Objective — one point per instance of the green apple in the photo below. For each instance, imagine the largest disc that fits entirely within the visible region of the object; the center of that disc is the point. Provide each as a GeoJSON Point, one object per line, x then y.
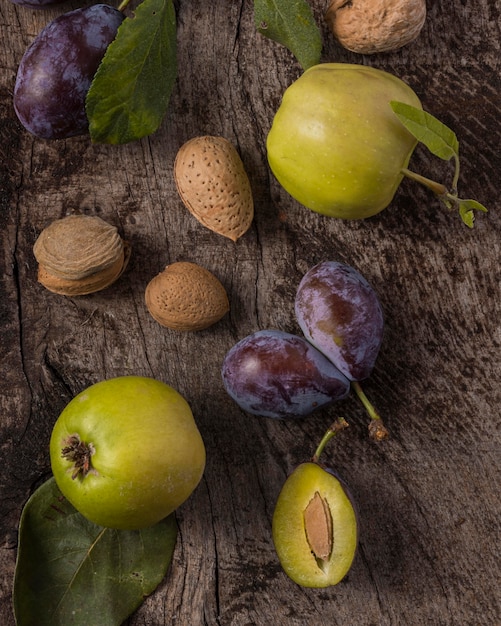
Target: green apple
{"type": "Point", "coordinates": [126, 452]}
{"type": "Point", "coordinates": [336, 145]}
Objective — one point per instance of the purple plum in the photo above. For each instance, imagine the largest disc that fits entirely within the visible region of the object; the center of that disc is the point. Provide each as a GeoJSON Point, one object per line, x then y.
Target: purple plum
{"type": "Point", "coordinates": [280, 375]}
{"type": "Point", "coordinates": [57, 69]}
{"type": "Point", "coordinates": [340, 314]}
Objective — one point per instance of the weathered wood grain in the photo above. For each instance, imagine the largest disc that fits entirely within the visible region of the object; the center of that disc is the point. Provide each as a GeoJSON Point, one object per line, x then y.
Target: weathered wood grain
{"type": "Point", "coordinates": [428, 498]}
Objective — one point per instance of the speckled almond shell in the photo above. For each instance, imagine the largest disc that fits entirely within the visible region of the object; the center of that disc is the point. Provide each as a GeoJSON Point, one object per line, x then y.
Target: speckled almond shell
{"type": "Point", "coordinates": [187, 297]}
{"type": "Point", "coordinates": [212, 182]}
{"type": "Point", "coordinates": [371, 26]}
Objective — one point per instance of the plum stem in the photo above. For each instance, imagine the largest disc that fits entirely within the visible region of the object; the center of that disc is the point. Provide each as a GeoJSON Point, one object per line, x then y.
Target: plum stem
{"type": "Point", "coordinates": [123, 5]}
{"type": "Point", "coordinates": [335, 428]}
{"type": "Point", "coordinates": [377, 429]}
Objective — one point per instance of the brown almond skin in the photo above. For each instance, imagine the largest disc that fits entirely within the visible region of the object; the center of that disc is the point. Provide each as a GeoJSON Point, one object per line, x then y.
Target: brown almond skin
{"type": "Point", "coordinates": [213, 185]}
{"type": "Point", "coordinates": [80, 254]}
{"type": "Point", "coordinates": [84, 286]}
{"type": "Point", "coordinates": [77, 246]}
{"type": "Point", "coordinates": [372, 26]}
{"type": "Point", "coordinates": [186, 297]}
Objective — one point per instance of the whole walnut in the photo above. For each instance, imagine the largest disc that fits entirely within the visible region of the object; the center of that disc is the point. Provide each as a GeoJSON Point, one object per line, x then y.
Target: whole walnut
{"type": "Point", "coordinates": [370, 26]}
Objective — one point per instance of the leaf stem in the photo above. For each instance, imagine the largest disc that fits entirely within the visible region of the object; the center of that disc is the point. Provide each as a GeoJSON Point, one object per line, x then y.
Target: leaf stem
{"type": "Point", "coordinates": [332, 431]}
{"type": "Point", "coordinates": [448, 198]}
{"type": "Point", "coordinates": [456, 175]}
{"type": "Point", "coordinates": [377, 429]}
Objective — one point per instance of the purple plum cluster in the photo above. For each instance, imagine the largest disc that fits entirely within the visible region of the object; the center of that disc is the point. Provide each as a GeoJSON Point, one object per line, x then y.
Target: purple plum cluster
{"type": "Point", "coordinates": [276, 374]}
{"type": "Point", "coordinates": [57, 70]}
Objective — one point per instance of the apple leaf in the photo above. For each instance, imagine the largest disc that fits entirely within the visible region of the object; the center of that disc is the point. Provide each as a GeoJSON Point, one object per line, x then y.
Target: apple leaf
{"type": "Point", "coordinates": [131, 89]}
{"type": "Point", "coordinates": [290, 23]}
{"type": "Point", "coordinates": [70, 571]}
{"type": "Point", "coordinates": [466, 208]}
{"type": "Point", "coordinates": [434, 134]}
{"type": "Point", "coordinates": [443, 143]}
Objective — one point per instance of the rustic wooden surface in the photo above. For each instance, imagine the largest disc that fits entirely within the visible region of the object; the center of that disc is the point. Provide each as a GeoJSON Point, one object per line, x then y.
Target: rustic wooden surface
{"type": "Point", "coordinates": [428, 497]}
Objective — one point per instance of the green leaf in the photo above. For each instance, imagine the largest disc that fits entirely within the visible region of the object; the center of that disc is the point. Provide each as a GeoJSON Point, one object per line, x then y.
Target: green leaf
{"type": "Point", "coordinates": [72, 572]}
{"type": "Point", "coordinates": [130, 93]}
{"type": "Point", "coordinates": [436, 136]}
{"type": "Point", "coordinates": [466, 208]}
{"type": "Point", "coordinates": [290, 23]}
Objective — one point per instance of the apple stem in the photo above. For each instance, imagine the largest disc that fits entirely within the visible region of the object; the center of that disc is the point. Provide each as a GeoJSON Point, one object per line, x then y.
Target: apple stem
{"type": "Point", "coordinates": [79, 453]}
{"type": "Point", "coordinates": [377, 429]}
{"type": "Point", "coordinates": [449, 198]}
{"type": "Point", "coordinates": [332, 431]}
{"type": "Point", "coordinates": [437, 188]}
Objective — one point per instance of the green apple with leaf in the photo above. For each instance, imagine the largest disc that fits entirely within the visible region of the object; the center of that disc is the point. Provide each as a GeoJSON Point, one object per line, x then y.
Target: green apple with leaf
{"type": "Point", "coordinates": [343, 136]}
{"type": "Point", "coordinates": [126, 452]}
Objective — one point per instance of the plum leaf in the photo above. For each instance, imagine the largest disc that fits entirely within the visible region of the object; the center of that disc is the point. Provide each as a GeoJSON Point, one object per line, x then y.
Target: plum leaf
{"type": "Point", "coordinates": [131, 89]}
{"type": "Point", "coordinates": [292, 24]}
{"type": "Point", "coordinates": [70, 571]}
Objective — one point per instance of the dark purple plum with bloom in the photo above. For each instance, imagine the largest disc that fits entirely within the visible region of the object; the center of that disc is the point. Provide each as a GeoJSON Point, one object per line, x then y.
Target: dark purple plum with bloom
{"type": "Point", "coordinates": [340, 314]}
{"type": "Point", "coordinates": [56, 71]}
{"type": "Point", "coordinates": [280, 375]}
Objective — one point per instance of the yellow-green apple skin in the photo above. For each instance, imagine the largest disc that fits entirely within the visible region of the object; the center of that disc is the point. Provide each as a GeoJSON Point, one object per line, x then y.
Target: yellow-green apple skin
{"type": "Point", "coordinates": [148, 452]}
{"type": "Point", "coordinates": [336, 145]}
{"type": "Point", "coordinates": [289, 533]}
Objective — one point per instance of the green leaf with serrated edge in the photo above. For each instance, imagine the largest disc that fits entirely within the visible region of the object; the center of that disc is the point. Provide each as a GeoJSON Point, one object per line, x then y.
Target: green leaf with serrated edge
{"type": "Point", "coordinates": [70, 572]}
{"type": "Point", "coordinates": [290, 23]}
{"type": "Point", "coordinates": [130, 93]}
{"type": "Point", "coordinates": [436, 136]}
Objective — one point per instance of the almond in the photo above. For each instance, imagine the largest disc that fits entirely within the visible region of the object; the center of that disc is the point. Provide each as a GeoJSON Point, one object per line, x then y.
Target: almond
{"type": "Point", "coordinates": [214, 186]}
{"type": "Point", "coordinates": [80, 254]}
{"type": "Point", "coordinates": [318, 527]}
{"type": "Point", "coordinates": [186, 296]}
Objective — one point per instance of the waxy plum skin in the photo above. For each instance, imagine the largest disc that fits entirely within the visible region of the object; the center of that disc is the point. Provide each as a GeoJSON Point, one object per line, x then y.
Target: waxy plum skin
{"type": "Point", "coordinates": [57, 69]}
{"type": "Point", "coordinates": [340, 314]}
{"type": "Point", "coordinates": [276, 374]}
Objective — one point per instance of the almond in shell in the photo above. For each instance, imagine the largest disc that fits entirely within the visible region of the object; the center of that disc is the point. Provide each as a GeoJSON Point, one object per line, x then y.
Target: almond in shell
{"type": "Point", "coordinates": [214, 186]}
{"type": "Point", "coordinates": [187, 297]}
{"type": "Point", "coordinates": [79, 255]}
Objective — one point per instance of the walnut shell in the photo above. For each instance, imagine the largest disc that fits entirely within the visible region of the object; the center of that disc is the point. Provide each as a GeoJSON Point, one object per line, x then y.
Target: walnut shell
{"type": "Point", "coordinates": [213, 185]}
{"type": "Point", "coordinates": [370, 26]}
{"type": "Point", "coordinates": [80, 254]}
{"type": "Point", "coordinates": [186, 296]}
